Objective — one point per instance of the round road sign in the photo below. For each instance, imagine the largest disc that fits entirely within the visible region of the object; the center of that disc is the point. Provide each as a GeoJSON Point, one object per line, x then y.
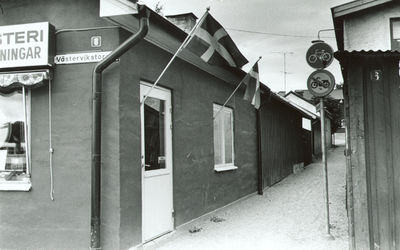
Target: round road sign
{"type": "Point", "coordinates": [319, 55]}
{"type": "Point", "coordinates": [321, 83]}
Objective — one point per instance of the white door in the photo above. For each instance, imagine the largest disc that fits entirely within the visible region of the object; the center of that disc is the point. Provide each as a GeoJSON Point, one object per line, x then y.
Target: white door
{"type": "Point", "coordinates": [157, 205]}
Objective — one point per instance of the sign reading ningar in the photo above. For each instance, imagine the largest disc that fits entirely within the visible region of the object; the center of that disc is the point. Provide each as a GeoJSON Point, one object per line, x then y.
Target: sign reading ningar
{"type": "Point", "coordinates": [26, 45]}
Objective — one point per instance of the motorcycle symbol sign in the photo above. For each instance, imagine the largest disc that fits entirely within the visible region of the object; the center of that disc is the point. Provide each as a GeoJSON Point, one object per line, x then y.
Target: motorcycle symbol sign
{"type": "Point", "coordinates": [319, 55]}
{"type": "Point", "coordinates": [321, 83]}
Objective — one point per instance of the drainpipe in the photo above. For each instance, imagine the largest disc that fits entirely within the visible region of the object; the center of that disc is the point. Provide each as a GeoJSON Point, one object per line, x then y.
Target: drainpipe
{"type": "Point", "coordinates": [260, 177]}
{"type": "Point", "coordinates": [96, 121]}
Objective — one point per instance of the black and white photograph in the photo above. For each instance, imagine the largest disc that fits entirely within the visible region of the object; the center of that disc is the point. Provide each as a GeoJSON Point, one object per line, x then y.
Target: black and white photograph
{"type": "Point", "coordinates": [199, 124]}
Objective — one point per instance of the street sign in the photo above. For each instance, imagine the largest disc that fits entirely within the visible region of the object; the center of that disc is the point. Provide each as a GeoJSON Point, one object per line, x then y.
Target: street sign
{"type": "Point", "coordinates": [319, 55]}
{"type": "Point", "coordinates": [321, 83]}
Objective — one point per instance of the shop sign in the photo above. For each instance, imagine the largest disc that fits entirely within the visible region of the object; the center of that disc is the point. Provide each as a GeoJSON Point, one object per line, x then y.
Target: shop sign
{"type": "Point", "coordinates": [88, 57]}
{"type": "Point", "coordinates": [26, 45]}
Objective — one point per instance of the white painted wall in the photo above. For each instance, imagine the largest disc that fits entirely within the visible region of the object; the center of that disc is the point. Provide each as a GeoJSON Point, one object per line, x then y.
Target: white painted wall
{"type": "Point", "coordinates": [369, 30]}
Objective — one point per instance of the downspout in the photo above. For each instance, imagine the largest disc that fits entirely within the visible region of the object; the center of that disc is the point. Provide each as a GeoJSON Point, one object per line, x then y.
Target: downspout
{"type": "Point", "coordinates": [260, 185]}
{"type": "Point", "coordinates": [96, 121]}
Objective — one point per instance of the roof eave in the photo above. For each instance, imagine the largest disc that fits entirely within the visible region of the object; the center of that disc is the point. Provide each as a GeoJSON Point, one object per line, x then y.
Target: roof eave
{"type": "Point", "coordinates": [355, 6]}
{"type": "Point", "coordinates": [167, 36]}
{"type": "Point", "coordinates": [301, 110]}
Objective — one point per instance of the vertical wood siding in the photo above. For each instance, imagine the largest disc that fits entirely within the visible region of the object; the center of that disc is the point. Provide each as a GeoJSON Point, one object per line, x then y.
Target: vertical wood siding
{"type": "Point", "coordinates": [373, 123]}
{"type": "Point", "coordinates": [281, 140]}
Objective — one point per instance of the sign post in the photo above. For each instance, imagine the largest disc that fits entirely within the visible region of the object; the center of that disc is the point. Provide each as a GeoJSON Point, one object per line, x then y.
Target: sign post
{"type": "Point", "coordinates": [321, 83]}
{"type": "Point", "coordinates": [325, 165]}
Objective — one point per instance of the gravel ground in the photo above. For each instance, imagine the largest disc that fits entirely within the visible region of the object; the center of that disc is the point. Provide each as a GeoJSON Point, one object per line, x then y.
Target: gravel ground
{"type": "Point", "coordinates": [290, 215]}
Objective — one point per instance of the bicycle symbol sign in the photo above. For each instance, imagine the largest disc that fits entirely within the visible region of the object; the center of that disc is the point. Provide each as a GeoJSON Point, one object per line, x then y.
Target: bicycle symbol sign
{"type": "Point", "coordinates": [319, 55]}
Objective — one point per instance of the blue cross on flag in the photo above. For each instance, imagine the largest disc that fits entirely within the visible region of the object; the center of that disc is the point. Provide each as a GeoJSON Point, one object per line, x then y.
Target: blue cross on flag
{"type": "Point", "coordinates": [212, 43]}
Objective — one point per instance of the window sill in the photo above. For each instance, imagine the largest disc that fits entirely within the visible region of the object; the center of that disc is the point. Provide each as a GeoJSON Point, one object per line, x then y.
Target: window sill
{"type": "Point", "coordinates": [226, 168]}
{"type": "Point", "coordinates": [15, 185]}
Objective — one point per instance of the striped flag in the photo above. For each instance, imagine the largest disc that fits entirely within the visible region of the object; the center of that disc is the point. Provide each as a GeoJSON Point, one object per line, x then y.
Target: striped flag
{"type": "Point", "coordinates": [252, 81]}
{"type": "Point", "coordinates": [212, 43]}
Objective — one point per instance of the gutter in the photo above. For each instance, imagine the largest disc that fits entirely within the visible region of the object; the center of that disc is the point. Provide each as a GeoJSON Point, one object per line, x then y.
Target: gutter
{"type": "Point", "coordinates": [96, 121]}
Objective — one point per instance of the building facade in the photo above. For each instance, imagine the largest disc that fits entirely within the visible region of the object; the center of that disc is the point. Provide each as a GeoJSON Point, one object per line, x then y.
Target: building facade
{"type": "Point", "coordinates": [367, 37]}
{"type": "Point", "coordinates": [118, 164]}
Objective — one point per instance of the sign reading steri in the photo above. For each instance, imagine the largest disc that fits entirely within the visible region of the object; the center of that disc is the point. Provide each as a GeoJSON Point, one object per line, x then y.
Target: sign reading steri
{"type": "Point", "coordinates": [26, 45]}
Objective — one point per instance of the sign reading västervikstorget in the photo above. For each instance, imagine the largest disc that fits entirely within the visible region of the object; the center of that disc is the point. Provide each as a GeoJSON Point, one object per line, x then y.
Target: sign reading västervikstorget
{"type": "Point", "coordinates": [26, 45]}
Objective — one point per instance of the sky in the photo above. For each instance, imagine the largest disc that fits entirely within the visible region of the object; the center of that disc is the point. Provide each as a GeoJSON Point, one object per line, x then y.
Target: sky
{"type": "Point", "coordinates": [271, 29]}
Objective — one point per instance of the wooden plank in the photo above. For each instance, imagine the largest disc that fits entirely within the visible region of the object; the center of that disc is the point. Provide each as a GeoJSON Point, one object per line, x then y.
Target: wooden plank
{"type": "Point", "coordinates": [377, 158]}
{"type": "Point", "coordinates": [394, 96]}
{"type": "Point", "coordinates": [389, 151]}
{"type": "Point", "coordinates": [370, 152]}
{"type": "Point", "coordinates": [349, 174]}
{"type": "Point", "coordinates": [357, 142]}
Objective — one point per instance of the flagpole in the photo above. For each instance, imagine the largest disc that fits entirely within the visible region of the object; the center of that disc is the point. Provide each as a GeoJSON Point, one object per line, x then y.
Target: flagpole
{"type": "Point", "coordinates": [176, 54]}
{"type": "Point", "coordinates": [235, 90]}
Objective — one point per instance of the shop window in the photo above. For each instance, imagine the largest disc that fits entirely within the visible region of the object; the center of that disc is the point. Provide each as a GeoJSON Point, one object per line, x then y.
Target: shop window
{"type": "Point", "coordinates": [223, 139]}
{"type": "Point", "coordinates": [395, 33]}
{"type": "Point", "coordinates": [14, 153]}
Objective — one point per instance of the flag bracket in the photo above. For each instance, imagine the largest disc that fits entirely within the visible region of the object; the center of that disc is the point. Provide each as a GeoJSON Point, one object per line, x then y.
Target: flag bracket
{"type": "Point", "coordinates": [175, 55]}
{"type": "Point", "coordinates": [243, 80]}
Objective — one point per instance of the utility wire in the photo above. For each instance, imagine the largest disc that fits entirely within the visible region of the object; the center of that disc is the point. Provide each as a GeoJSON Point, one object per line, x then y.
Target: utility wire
{"type": "Point", "coordinates": [272, 34]}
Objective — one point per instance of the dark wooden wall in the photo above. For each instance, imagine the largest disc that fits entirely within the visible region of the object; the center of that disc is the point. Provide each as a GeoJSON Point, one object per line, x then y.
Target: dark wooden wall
{"type": "Point", "coordinates": [373, 175]}
{"type": "Point", "coordinates": [281, 140]}
{"type": "Point", "coordinates": [308, 146]}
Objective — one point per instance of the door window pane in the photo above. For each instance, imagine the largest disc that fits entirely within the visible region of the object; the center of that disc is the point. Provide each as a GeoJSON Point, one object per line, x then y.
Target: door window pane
{"type": "Point", "coordinates": [154, 125]}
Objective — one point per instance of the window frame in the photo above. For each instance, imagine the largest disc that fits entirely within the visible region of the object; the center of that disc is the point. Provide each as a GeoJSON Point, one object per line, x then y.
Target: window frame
{"type": "Point", "coordinates": [24, 184]}
{"type": "Point", "coordinates": [394, 43]}
{"type": "Point", "coordinates": [224, 166]}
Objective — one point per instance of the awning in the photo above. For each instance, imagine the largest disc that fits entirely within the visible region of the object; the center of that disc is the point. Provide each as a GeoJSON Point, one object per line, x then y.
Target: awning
{"type": "Point", "coordinates": [11, 81]}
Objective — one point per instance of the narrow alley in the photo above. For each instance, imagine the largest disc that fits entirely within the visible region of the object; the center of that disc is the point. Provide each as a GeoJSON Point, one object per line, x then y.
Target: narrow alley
{"type": "Point", "coordinates": [290, 215]}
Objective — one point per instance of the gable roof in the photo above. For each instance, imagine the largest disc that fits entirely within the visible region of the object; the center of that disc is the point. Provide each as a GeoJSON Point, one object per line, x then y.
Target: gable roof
{"type": "Point", "coordinates": [167, 36]}
{"type": "Point", "coordinates": [301, 102]}
{"type": "Point", "coordinates": [339, 13]}
{"type": "Point", "coordinates": [299, 96]}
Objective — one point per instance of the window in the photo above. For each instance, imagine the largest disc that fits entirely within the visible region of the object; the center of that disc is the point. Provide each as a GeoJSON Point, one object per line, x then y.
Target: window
{"type": "Point", "coordinates": [395, 33]}
{"type": "Point", "coordinates": [14, 120]}
{"type": "Point", "coordinates": [223, 139]}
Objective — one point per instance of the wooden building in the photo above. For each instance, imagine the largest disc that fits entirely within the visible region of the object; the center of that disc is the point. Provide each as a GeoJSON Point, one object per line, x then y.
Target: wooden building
{"type": "Point", "coordinates": [281, 123]}
{"type": "Point", "coordinates": [314, 123]}
{"type": "Point", "coordinates": [83, 164]}
{"type": "Point", "coordinates": [367, 34]}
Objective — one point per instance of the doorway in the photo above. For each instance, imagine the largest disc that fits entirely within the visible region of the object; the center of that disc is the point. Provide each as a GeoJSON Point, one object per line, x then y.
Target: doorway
{"type": "Point", "coordinates": [156, 143]}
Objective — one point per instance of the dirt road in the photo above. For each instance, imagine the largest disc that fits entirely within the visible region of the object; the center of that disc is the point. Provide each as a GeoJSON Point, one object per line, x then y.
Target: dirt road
{"type": "Point", "coordinates": [290, 215]}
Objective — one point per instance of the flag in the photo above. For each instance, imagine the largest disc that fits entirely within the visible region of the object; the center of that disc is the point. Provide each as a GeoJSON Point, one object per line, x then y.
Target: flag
{"type": "Point", "coordinates": [253, 86]}
{"type": "Point", "coordinates": [212, 43]}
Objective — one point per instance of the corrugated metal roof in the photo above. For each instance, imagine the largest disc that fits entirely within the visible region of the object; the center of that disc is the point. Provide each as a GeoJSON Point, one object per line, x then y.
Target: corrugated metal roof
{"type": "Point", "coordinates": [340, 55]}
